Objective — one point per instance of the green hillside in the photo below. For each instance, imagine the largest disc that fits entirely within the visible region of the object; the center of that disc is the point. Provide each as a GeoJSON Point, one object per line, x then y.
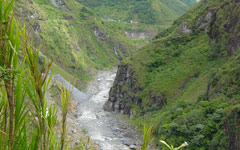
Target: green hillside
{"type": "Point", "coordinates": [80, 42]}
{"type": "Point", "coordinates": [74, 37]}
{"type": "Point", "coordinates": [158, 12]}
{"type": "Point", "coordinates": [186, 82]}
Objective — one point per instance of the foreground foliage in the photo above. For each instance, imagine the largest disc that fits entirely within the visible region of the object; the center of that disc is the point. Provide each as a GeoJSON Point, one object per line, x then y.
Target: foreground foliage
{"type": "Point", "coordinates": [172, 147]}
{"type": "Point", "coordinates": [27, 120]}
{"type": "Point", "coordinates": [147, 138]}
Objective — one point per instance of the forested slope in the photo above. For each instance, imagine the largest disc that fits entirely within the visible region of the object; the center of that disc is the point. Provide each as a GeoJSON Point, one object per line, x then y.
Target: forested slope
{"type": "Point", "coordinates": [80, 41]}
{"type": "Point", "coordinates": [74, 37]}
{"type": "Point", "coordinates": [186, 82]}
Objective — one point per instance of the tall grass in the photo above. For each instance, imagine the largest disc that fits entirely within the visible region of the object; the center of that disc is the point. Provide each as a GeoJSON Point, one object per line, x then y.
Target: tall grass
{"type": "Point", "coordinates": [9, 43]}
{"type": "Point", "coordinates": [147, 138]}
{"type": "Point", "coordinates": [65, 98]}
{"type": "Point", "coordinates": [38, 86]}
{"type": "Point", "coordinates": [26, 121]}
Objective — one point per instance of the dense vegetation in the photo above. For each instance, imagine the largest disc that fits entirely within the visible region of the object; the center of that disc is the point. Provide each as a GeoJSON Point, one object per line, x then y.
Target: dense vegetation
{"type": "Point", "coordinates": [186, 82]}
{"type": "Point", "coordinates": [28, 120]}
{"type": "Point", "coordinates": [25, 124]}
{"type": "Point", "coordinates": [74, 37]}
{"type": "Point", "coordinates": [158, 12]}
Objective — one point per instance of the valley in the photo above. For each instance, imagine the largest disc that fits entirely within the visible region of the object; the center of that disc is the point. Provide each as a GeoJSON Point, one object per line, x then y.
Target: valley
{"type": "Point", "coordinates": [82, 40]}
{"type": "Point", "coordinates": [78, 41]}
{"type": "Point", "coordinates": [119, 74]}
{"type": "Point", "coordinates": [107, 130]}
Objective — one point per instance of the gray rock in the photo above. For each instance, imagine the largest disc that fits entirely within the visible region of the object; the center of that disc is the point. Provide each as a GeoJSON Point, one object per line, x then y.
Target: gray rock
{"type": "Point", "coordinates": [36, 28]}
{"type": "Point", "coordinates": [207, 20]}
{"type": "Point", "coordinates": [133, 147]}
{"type": "Point", "coordinates": [128, 141]}
{"type": "Point", "coordinates": [184, 28]}
{"type": "Point", "coordinates": [77, 142]}
{"type": "Point", "coordinates": [74, 131]}
{"type": "Point", "coordinates": [132, 114]}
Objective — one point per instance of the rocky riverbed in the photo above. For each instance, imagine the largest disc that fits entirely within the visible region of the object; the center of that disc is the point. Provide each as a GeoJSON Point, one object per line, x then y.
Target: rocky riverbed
{"type": "Point", "coordinates": [107, 129]}
{"type": "Point", "coordinates": [104, 128]}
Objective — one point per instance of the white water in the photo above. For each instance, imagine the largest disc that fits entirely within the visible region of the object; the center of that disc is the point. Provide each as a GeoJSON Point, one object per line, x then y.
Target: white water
{"type": "Point", "coordinates": [102, 126]}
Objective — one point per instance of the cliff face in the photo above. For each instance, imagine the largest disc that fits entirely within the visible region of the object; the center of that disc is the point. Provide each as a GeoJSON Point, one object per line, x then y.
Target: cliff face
{"type": "Point", "coordinates": [118, 99]}
{"type": "Point", "coordinates": [117, 96]}
{"type": "Point", "coordinates": [186, 82]}
{"type": "Point", "coordinates": [124, 93]}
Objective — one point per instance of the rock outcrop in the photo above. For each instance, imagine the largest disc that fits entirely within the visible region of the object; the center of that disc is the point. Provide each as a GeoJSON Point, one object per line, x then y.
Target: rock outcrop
{"type": "Point", "coordinates": [124, 93]}
{"type": "Point", "coordinates": [60, 4]}
{"type": "Point", "coordinates": [184, 28]}
{"type": "Point", "coordinates": [119, 100]}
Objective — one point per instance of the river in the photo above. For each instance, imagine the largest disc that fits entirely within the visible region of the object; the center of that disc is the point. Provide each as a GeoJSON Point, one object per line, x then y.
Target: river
{"type": "Point", "coordinates": [104, 128]}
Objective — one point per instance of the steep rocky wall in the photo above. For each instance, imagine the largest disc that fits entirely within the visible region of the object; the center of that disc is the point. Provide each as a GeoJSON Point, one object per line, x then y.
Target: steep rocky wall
{"type": "Point", "coordinates": [118, 99]}
{"type": "Point", "coordinates": [124, 94]}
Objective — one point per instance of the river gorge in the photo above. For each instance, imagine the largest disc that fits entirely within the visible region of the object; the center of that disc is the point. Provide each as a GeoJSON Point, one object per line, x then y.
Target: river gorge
{"type": "Point", "coordinates": [106, 129]}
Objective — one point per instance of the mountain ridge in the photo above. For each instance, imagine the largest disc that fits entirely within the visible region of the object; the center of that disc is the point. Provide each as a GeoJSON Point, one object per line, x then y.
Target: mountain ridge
{"type": "Point", "coordinates": [159, 12]}
{"type": "Point", "coordinates": [77, 40]}
{"type": "Point", "coordinates": [185, 83]}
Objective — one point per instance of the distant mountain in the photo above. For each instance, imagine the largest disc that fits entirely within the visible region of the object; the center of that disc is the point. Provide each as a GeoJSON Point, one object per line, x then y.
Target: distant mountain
{"type": "Point", "coordinates": [158, 12]}
{"type": "Point", "coordinates": [74, 37]}
{"type": "Point", "coordinates": [80, 41]}
{"type": "Point", "coordinates": [186, 83]}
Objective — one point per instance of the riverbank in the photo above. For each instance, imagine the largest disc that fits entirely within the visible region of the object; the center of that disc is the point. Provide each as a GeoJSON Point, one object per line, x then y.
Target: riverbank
{"type": "Point", "coordinates": [75, 134]}
{"type": "Point", "coordinates": [86, 117]}
{"type": "Point", "coordinates": [103, 127]}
